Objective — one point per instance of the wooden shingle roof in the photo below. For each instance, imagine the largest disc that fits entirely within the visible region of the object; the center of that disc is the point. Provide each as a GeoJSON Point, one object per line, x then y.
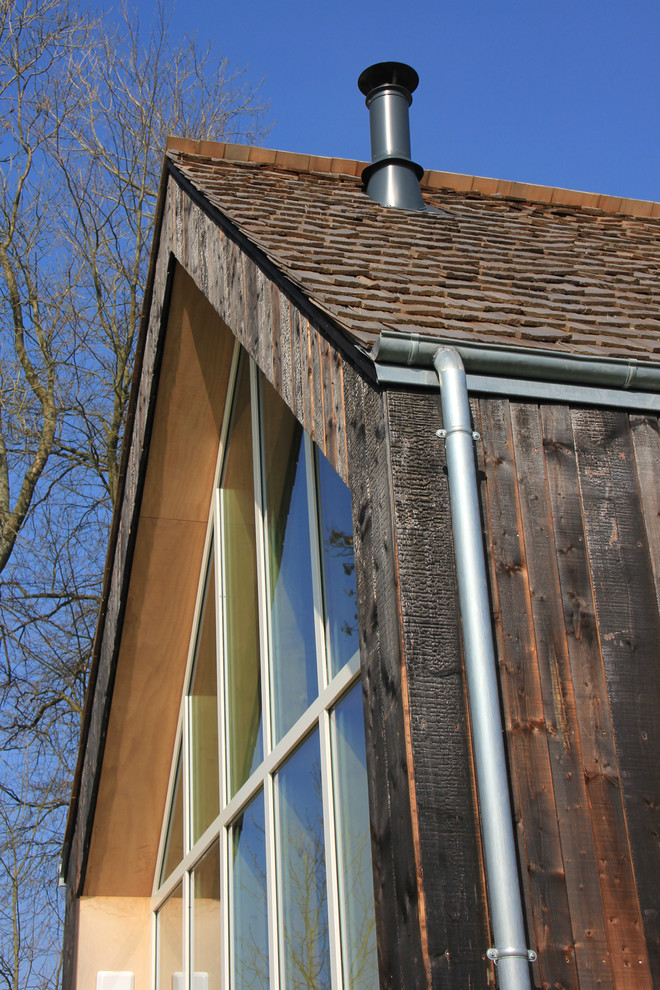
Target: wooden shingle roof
{"type": "Point", "coordinates": [501, 263]}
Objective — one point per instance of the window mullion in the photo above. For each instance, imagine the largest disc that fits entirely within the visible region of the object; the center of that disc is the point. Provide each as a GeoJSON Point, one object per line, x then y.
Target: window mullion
{"type": "Point", "coordinates": [187, 930]}
{"type": "Point", "coordinates": [222, 728]}
{"type": "Point", "coordinates": [186, 781]}
{"type": "Point", "coordinates": [186, 776]}
{"type": "Point", "coordinates": [220, 596]}
{"type": "Point", "coordinates": [262, 569]}
{"type": "Point", "coordinates": [264, 641]}
{"type": "Point", "coordinates": [227, 908]}
{"type": "Point", "coordinates": [330, 849]}
{"type": "Point", "coordinates": [272, 889]}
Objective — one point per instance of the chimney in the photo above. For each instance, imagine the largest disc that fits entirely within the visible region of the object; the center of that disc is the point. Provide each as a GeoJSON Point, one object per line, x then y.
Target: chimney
{"type": "Point", "coordinates": [392, 179]}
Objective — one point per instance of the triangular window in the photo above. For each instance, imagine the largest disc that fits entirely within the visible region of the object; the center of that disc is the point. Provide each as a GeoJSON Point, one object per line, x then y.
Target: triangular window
{"type": "Point", "coordinates": [274, 860]}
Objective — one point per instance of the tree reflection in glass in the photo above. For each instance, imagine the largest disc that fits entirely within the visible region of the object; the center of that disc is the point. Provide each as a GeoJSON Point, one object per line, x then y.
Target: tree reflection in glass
{"type": "Point", "coordinates": [243, 681]}
{"type": "Point", "coordinates": [304, 959]}
{"type": "Point", "coordinates": [356, 891]}
{"type": "Point", "coordinates": [338, 563]}
{"type": "Point", "coordinates": [249, 923]}
{"type": "Point", "coordinates": [294, 678]}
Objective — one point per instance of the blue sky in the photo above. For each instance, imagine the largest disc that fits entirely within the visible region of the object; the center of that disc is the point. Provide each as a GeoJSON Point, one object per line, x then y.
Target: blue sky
{"type": "Point", "coordinates": [564, 94]}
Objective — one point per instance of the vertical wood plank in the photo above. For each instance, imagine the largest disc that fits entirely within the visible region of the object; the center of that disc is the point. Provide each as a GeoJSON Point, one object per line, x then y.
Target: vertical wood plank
{"type": "Point", "coordinates": [216, 273]}
{"type": "Point", "coordinates": [234, 295]}
{"type": "Point", "coordinates": [70, 940]}
{"type": "Point", "coordinates": [629, 628]}
{"type": "Point", "coordinates": [285, 348]}
{"type": "Point", "coordinates": [340, 415]}
{"type": "Point", "coordinates": [601, 772]}
{"type": "Point", "coordinates": [249, 292]}
{"type": "Point", "coordinates": [400, 953]}
{"type": "Point", "coordinates": [305, 358]}
{"type": "Point", "coordinates": [646, 443]}
{"type": "Point", "coordinates": [297, 372]}
{"type": "Point", "coordinates": [276, 335]}
{"type": "Point", "coordinates": [199, 233]}
{"type": "Point", "coordinates": [521, 686]}
{"type": "Point", "coordinates": [453, 880]}
{"type": "Point", "coordinates": [265, 346]}
{"type": "Point", "coordinates": [316, 382]}
{"type": "Point", "coordinates": [559, 707]}
{"type": "Point", "coordinates": [329, 413]}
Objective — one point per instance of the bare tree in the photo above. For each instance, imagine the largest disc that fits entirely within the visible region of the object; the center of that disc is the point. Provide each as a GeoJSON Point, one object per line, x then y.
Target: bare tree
{"type": "Point", "coordinates": [136, 91]}
{"type": "Point", "coordinates": [85, 106]}
{"type": "Point", "coordinates": [37, 45]}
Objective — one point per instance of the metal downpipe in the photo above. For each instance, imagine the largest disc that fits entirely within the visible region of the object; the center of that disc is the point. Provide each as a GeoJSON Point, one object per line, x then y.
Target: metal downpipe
{"type": "Point", "coordinates": [510, 952]}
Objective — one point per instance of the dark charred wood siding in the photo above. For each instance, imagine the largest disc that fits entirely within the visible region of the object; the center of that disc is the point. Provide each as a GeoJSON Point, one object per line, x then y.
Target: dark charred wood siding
{"type": "Point", "coordinates": [571, 513]}
{"type": "Point", "coordinates": [402, 950]}
{"type": "Point", "coordinates": [448, 854]}
{"type": "Point", "coordinates": [570, 507]}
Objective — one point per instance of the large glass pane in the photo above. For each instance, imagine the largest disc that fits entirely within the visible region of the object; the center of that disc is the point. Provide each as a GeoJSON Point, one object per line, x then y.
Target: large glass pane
{"type": "Point", "coordinates": [205, 941]}
{"type": "Point", "coordinates": [249, 935]}
{"type": "Point", "coordinates": [356, 890]}
{"type": "Point", "coordinates": [338, 565]}
{"type": "Point", "coordinates": [294, 678]}
{"type": "Point", "coordinates": [301, 863]}
{"type": "Point", "coordinates": [169, 940]}
{"type": "Point", "coordinates": [243, 685]}
{"type": "Point", "coordinates": [173, 852]}
{"type": "Point", "coordinates": [203, 706]}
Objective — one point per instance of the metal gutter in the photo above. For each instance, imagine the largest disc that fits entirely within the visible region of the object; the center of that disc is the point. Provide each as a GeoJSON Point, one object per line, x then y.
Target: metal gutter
{"type": "Point", "coordinates": [523, 388]}
{"type": "Point", "coordinates": [407, 359]}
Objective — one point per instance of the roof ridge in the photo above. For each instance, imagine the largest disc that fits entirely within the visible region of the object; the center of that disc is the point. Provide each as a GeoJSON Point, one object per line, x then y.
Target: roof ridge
{"type": "Point", "coordinates": [431, 180]}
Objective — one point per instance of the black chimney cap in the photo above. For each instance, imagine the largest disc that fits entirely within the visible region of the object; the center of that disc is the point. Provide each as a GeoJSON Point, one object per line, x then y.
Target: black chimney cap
{"type": "Point", "coordinates": [388, 73]}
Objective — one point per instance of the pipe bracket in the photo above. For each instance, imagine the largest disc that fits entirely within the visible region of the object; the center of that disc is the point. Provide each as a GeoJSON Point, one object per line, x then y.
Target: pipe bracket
{"type": "Point", "coordinates": [443, 434]}
{"type": "Point", "coordinates": [496, 954]}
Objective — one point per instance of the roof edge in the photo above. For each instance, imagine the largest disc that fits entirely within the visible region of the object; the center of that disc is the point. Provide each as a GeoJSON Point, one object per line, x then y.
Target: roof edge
{"type": "Point", "coordinates": [431, 180]}
{"type": "Point", "coordinates": [113, 537]}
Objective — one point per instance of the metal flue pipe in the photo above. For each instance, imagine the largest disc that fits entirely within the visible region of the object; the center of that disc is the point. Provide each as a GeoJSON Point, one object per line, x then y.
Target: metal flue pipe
{"type": "Point", "coordinates": [392, 179]}
{"type": "Point", "coordinates": [509, 953]}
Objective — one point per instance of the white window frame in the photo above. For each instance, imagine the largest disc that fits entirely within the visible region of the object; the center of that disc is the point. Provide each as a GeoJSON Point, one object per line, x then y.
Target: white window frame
{"type": "Point", "coordinates": [317, 715]}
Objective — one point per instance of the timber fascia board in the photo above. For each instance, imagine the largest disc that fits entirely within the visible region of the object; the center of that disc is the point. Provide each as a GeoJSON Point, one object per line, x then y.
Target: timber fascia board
{"type": "Point", "coordinates": [319, 317]}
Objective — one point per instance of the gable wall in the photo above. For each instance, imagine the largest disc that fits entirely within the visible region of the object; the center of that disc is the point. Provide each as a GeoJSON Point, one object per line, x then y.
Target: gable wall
{"type": "Point", "coordinates": [346, 418]}
{"type": "Point", "coordinates": [330, 399]}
